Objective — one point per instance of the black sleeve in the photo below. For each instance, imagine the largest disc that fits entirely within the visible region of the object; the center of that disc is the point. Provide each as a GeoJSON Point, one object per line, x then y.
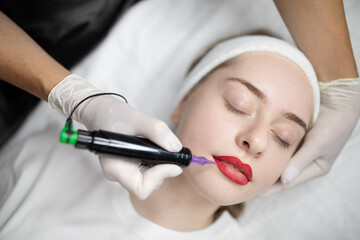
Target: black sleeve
{"type": "Point", "coordinates": [66, 29]}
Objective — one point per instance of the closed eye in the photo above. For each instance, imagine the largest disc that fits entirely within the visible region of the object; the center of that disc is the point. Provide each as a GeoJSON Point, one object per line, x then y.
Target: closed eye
{"type": "Point", "coordinates": [231, 108]}
{"type": "Point", "coordinates": [281, 142]}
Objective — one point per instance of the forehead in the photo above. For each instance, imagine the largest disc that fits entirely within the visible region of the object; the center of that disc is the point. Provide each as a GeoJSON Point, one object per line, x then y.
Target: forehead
{"type": "Point", "coordinates": [269, 68]}
{"type": "Point", "coordinates": [282, 81]}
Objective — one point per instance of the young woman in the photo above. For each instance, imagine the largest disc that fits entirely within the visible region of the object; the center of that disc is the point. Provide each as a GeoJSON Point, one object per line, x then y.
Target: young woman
{"type": "Point", "coordinates": [252, 100]}
{"type": "Point", "coordinates": [246, 105]}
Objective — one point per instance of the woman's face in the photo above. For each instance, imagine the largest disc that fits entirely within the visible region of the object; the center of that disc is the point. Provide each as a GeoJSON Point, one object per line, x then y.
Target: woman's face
{"type": "Point", "coordinates": [254, 111]}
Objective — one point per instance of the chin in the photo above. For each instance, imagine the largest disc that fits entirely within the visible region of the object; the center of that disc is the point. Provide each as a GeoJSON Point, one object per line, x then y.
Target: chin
{"type": "Point", "coordinates": [217, 188]}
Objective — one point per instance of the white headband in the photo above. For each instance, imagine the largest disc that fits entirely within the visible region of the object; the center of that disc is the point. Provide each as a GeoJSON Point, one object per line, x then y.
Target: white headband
{"type": "Point", "coordinates": [237, 46]}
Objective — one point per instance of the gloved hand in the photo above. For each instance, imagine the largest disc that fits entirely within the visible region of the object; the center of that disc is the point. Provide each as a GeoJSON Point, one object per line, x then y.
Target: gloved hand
{"type": "Point", "coordinates": [112, 114]}
{"type": "Point", "coordinates": [339, 113]}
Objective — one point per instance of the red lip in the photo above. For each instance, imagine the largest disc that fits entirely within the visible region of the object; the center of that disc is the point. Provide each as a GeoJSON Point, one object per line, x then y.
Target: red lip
{"type": "Point", "coordinates": [239, 172]}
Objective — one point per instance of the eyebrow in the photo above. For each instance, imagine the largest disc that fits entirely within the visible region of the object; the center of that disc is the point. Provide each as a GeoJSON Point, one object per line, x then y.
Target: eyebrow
{"type": "Point", "coordinates": [260, 95]}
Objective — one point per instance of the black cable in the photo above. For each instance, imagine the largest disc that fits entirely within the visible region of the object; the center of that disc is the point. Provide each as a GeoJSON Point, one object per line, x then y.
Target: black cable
{"type": "Point", "coordinates": [68, 125]}
{"type": "Point", "coordinates": [95, 95]}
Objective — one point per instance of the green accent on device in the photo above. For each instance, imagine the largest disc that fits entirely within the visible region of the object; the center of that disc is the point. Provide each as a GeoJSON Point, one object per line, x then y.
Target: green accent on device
{"type": "Point", "coordinates": [68, 135]}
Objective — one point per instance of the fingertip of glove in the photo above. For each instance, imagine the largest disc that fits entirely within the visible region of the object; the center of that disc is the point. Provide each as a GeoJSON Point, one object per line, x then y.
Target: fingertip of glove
{"type": "Point", "coordinates": [142, 195]}
{"type": "Point", "coordinates": [165, 170]}
{"type": "Point", "coordinates": [174, 170]}
{"type": "Point", "coordinates": [285, 181]}
{"type": "Point", "coordinates": [175, 146]}
{"type": "Point", "coordinates": [289, 175]}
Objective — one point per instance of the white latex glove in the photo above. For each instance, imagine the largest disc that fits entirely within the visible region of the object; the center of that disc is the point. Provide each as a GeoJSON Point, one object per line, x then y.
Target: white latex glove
{"type": "Point", "coordinates": [112, 114]}
{"type": "Point", "coordinates": [339, 113]}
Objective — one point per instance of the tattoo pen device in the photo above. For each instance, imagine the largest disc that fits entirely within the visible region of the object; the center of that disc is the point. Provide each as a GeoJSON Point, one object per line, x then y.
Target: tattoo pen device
{"type": "Point", "coordinates": [115, 144]}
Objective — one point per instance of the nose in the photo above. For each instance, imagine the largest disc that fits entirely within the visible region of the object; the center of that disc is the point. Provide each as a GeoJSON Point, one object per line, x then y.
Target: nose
{"type": "Point", "coordinates": [254, 140]}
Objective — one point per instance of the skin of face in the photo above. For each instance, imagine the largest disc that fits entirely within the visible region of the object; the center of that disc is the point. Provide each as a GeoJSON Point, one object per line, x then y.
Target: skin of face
{"type": "Point", "coordinates": [222, 117]}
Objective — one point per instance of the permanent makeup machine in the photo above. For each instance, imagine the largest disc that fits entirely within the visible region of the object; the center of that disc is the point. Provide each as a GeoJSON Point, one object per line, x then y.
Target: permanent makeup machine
{"type": "Point", "coordinates": [116, 145]}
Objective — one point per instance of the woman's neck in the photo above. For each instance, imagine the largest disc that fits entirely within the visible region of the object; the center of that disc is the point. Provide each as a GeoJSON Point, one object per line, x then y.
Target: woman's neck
{"type": "Point", "coordinates": [176, 205]}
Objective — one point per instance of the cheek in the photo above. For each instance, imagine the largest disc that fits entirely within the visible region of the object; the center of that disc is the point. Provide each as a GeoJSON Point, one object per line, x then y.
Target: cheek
{"type": "Point", "coordinates": [200, 126]}
{"type": "Point", "coordinates": [211, 184]}
{"type": "Point", "coordinates": [269, 169]}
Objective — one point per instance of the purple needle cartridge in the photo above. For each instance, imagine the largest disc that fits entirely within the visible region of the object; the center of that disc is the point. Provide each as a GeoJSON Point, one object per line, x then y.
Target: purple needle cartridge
{"type": "Point", "coordinates": [200, 160]}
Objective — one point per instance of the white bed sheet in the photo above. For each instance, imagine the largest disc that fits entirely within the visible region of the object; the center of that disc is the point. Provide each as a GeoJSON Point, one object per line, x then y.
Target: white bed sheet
{"type": "Point", "coordinates": [146, 56]}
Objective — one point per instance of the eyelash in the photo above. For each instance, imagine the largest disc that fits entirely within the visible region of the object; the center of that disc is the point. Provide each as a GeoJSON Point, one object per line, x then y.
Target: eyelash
{"type": "Point", "coordinates": [234, 110]}
{"type": "Point", "coordinates": [282, 143]}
